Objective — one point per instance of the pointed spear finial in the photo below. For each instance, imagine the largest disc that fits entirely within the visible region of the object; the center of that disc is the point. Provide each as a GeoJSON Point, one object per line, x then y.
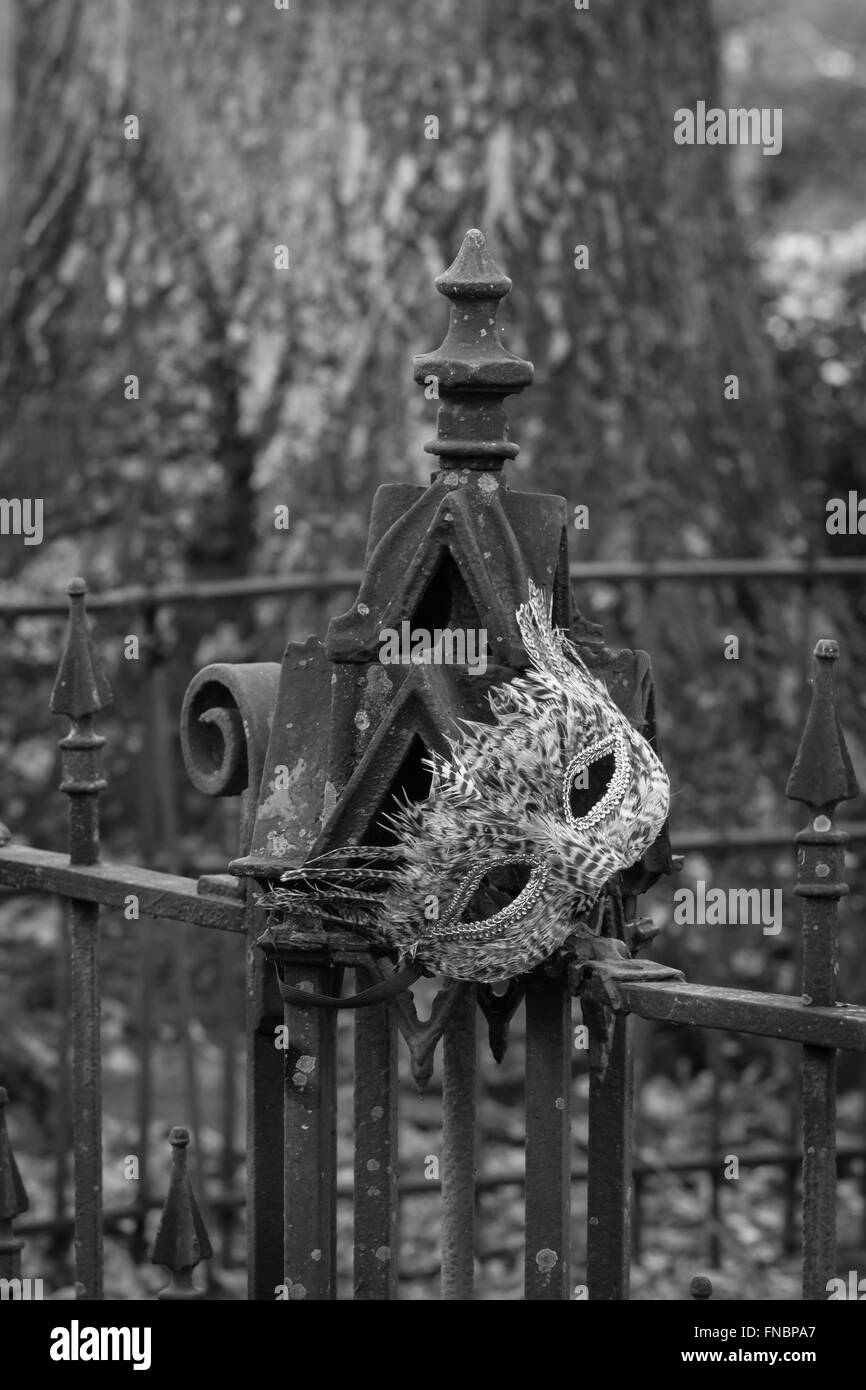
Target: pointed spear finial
{"type": "Point", "coordinates": [13, 1201]}
{"type": "Point", "coordinates": [181, 1239]}
{"type": "Point", "coordinates": [81, 687]}
{"type": "Point", "coordinates": [80, 691]}
{"type": "Point", "coordinates": [822, 774]}
{"type": "Point", "coordinates": [472, 371]}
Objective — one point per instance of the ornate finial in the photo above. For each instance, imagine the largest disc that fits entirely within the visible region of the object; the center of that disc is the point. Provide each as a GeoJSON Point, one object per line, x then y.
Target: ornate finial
{"type": "Point", "coordinates": [181, 1240]}
{"type": "Point", "coordinates": [701, 1288]}
{"type": "Point", "coordinates": [472, 370]}
{"type": "Point", "coordinates": [822, 774]}
{"type": "Point", "coordinates": [13, 1200]}
{"type": "Point", "coordinates": [81, 687]}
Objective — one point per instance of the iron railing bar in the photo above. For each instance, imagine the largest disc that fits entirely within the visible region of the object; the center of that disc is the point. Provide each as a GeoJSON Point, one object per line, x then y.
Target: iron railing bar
{"type": "Point", "coordinates": [610, 1153]}
{"type": "Point", "coordinates": [548, 1139]}
{"type": "Point", "coordinates": [821, 777]}
{"type": "Point", "coordinates": [265, 1182]}
{"type": "Point", "coordinates": [62, 1110]}
{"type": "Point", "coordinates": [206, 591]}
{"type": "Point", "coordinates": [375, 1193]}
{"type": "Point", "coordinates": [803, 571]}
{"type": "Point", "coordinates": [165, 896]}
{"type": "Point", "coordinates": [782, 1016]}
{"type": "Point", "coordinates": [230, 1011]}
{"type": "Point", "coordinates": [310, 1131]}
{"type": "Point", "coordinates": [459, 1141]}
{"type": "Point", "coordinates": [80, 692]}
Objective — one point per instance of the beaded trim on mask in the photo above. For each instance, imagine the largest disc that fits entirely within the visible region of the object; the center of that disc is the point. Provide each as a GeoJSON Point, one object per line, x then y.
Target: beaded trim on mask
{"type": "Point", "coordinates": [493, 926]}
{"type": "Point", "coordinates": [618, 783]}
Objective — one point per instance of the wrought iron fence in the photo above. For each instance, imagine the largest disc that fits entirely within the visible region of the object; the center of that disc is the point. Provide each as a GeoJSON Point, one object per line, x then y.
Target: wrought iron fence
{"type": "Point", "coordinates": [291, 1177]}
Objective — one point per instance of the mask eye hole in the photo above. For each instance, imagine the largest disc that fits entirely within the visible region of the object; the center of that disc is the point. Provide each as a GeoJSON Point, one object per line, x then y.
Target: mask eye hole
{"type": "Point", "coordinates": [589, 785]}
{"type": "Point", "coordinates": [498, 889]}
{"type": "Point", "coordinates": [595, 781]}
{"type": "Point", "coordinates": [493, 896]}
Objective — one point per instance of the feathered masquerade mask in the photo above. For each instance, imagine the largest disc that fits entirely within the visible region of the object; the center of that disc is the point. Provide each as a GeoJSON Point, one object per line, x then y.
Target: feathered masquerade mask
{"type": "Point", "coordinates": [523, 826]}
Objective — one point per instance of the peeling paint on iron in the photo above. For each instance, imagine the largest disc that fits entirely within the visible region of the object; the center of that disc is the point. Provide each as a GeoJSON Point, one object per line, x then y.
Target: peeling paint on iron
{"type": "Point", "coordinates": [279, 845]}
{"type": "Point", "coordinates": [380, 689]}
{"type": "Point", "coordinates": [278, 805]}
{"type": "Point", "coordinates": [329, 801]}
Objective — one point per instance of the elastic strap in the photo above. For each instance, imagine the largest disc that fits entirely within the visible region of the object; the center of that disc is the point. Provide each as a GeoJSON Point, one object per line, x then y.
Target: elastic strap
{"type": "Point", "coordinates": [376, 994]}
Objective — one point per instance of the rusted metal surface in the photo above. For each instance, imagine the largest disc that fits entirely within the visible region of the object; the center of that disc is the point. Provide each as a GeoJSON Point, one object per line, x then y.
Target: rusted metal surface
{"type": "Point", "coordinates": [80, 691]}
{"type": "Point", "coordinates": [459, 1147]}
{"type": "Point", "coordinates": [167, 896]}
{"type": "Point", "coordinates": [376, 1196]}
{"type": "Point", "coordinates": [228, 715]}
{"type": "Point", "coordinates": [86, 1097]}
{"type": "Point", "coordinates": [13, 1200]}
{"type": "Point", "coordinates": [231, 1011]}
{"type": "Point", "coordinates": [224, 729]}
{"type": "Point", "coordinates": [609, 1196]}
{"type": "Point", "coordinates": [310, 1137]}
{"type": "Point", "coordinates": [499, 1009]}
{"type": "Point", "coordinates": [548, 1137]}
{"type": "Point", "coordinates": [144, 1096]}
{"type": "Point", "coordinates": [63, 1144]}
{"type": "Point", "coordinates": [738, 1010]}
{"type": "Point", "coordinates": [821, 777]}
{"type": "Point", "coordinates": [264, 1104]}
{"type": "Point", "coordinates": [181, 1241]}
{"type": "Point", "coordinates": [819, 1171]}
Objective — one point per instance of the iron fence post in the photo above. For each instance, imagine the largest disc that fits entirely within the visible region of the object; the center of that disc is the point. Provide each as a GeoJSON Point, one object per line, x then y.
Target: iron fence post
{"type": "Point", "coordinates": [821, 777]}
{"type": "Point", "coordinates": [80, 691]}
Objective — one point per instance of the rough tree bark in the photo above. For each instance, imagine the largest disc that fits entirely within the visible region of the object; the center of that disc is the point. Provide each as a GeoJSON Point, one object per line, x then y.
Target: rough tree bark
{"type": "Point", "coordinates": [306, 128]}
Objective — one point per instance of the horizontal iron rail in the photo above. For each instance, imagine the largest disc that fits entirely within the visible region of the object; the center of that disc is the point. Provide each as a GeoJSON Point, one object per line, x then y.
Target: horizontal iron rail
{"type": "Point", "coordinates": [233, 1200]}
{"type": "Point", "coordinates": [177, 898]}
{"type": "Point", "coordinates": [139, 596]}
{"type": "Point", "coordinates": [166, 896]}
{"type": "Point", "coordinates": [783, 1016]}
{"type": "Point", "coordinates": [740, 838]}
